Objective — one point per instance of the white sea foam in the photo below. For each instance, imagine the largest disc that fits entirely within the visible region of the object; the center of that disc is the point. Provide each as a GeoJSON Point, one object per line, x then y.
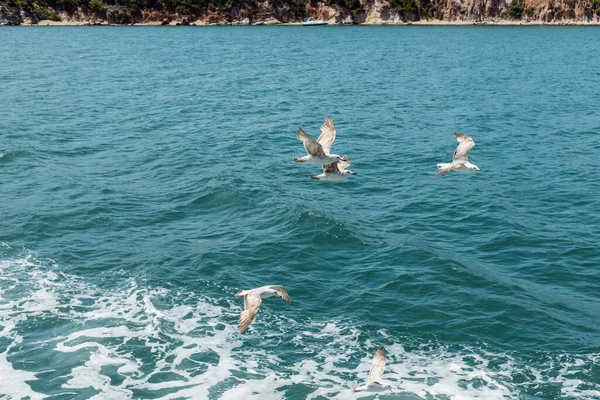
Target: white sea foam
{"type": "Point", "coordinates": [135, 341]}
{"type": "Point", "coordinates": [14, 382]}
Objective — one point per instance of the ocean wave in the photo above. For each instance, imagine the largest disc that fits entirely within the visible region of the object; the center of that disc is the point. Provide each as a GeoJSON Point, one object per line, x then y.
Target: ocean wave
{"type": "Point", "coordinates": [140, 342]}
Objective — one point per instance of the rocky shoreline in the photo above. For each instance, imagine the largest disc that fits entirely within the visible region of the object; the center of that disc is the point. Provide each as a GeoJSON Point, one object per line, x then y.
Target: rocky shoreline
{"type": "Point", "coordinates": [365, 12]}
{"type": "Point", "coordinates": [409, 23]}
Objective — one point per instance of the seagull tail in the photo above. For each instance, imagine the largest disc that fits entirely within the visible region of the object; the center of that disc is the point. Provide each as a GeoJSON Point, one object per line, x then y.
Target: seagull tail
{"type": "Point", "coordinates": [242, 293]}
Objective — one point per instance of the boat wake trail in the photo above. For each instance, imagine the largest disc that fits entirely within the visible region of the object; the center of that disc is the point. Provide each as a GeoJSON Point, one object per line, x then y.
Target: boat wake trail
{"type": "Point", "coordinates": [142, 342]}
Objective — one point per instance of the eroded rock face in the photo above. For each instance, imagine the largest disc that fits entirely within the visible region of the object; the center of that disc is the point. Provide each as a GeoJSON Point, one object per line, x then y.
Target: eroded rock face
{"type": "Point", "coordinates": [370, 12]}
{"type": "Point", "coordinates": [380, 12]}
{"type": "Point", "coordinates": [272, 21]}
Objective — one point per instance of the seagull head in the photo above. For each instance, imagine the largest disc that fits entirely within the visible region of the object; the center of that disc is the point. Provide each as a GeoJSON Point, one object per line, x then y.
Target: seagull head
{"type": "Point", "coordinates": [348, 172]}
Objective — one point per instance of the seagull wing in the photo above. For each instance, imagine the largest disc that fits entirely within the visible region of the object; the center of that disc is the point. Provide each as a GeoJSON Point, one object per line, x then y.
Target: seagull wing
{"type": "Point", "coordinates": [452, 166]}
{"type": "Point", "coordinates": [337, 166]}
{"type": "Point", "coordinates": [281, 293]}
{"type": "Point", "coordinates": [377, 367]}
{"type": "Point", "coordinates": [343, 163]}
{"type": "Point", "coordinates": [327, 135]}
{"type": "Point", "coordinates": [313, 148]}
{"type": "Point", "coordinates": [251, 302]}
{"type": "Point", "coordinates": [465, 143]}
{"type": "Point", "coordinates": [329, 168]}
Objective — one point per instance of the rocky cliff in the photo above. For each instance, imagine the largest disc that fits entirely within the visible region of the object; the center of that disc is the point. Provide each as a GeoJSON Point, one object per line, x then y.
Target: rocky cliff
{"type": "Point", "coordinates": [255, 12]}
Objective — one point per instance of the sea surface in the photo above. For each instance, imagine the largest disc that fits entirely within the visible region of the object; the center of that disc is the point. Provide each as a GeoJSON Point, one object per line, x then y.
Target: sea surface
{"type": "Point", "coordinates": [146, 176]}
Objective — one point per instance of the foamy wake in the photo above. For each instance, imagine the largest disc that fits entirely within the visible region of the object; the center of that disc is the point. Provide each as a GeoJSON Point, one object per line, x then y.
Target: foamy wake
{"type": "Point", "coordinates": [140, 342]}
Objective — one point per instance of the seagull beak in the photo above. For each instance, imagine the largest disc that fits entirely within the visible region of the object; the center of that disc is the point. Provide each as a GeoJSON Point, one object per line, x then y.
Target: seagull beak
{"type": "Point", "coordinates": [353, 173]}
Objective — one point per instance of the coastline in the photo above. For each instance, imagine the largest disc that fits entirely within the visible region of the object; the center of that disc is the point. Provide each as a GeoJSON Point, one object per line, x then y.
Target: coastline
{"type": "Point", "coordinates": [499, 22]}
{"type": "Point", "coordinates": [363, 12]}
{"type": "Point", "coordinates": [420, 23]}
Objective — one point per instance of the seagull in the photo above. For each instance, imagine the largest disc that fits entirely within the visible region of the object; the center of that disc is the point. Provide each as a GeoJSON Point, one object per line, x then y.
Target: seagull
{"type": "Point", "coordinates": [374, 382]}
{"type": "Point", "coordinates": [335, 171]}
{"type": "Point", "coordinates": [460, 163]}
{"type": "Point", "coordinates": [253, 298]}
{"type": "Point", "coordinates": [318, 152]}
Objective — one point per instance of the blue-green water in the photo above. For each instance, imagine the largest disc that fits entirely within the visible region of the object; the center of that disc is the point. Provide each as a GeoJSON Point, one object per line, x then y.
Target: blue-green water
{"type": "Point", "coordinates": [146, 176]}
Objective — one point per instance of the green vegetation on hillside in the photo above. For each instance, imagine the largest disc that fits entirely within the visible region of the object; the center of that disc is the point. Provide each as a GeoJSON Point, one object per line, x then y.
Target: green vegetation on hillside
{"type": "Point", "coordinates": [515, 10]}
{"type": "Point", "coordinates": [413, 10]}
{"type": "Point", "coordinates": [128, 11]}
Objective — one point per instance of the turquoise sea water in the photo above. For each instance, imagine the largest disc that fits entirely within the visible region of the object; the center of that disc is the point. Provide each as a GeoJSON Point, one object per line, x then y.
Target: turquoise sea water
{"type": "Point", "coordinates": [146, 176]}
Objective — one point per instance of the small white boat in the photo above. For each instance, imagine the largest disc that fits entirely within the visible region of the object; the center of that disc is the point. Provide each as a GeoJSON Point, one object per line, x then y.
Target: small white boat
{"type": "Point", "coordinates": [313, 22]}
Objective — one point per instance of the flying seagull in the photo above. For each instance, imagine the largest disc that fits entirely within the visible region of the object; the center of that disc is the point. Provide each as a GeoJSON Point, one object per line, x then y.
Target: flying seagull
{"type": "Point", "coordinates": [335, 171]}
{"type": "Point", "coordinates": [460, 162]}
{"type": "Point", "coordinates": [319, 151]}
{"type": "Point", "coordinates": [374, 381]}
{"type": "Point", "coordinates": [253, 298]}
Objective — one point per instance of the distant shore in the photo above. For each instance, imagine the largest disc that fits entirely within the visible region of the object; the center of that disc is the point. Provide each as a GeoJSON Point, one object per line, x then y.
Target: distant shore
{"type": "Point", "coordinates": [499, 22]}
{"type": "Point", "coordinates": [291, 13]}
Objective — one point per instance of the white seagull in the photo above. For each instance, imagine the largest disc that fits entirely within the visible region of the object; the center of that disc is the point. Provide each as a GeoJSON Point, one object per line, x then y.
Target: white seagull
{"type": "Point", "coordinates": [335, 171]}
{"type": "Point", "coordinates": [460, 162]}
{"type": "Point", "coordinates": [319, 151]}
{"type": "Point", "coordinates": [374, 381]}
{"type": "Point", "coordinates": [253, 298]}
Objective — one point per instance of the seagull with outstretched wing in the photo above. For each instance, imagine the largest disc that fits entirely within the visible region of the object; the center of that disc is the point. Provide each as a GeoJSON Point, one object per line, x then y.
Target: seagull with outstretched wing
{"type": "Point", "coordinates": [375, 382]}
{"type": "Point", "coordinates": [253, 298]}
{"type": "Point", "coordinates": [319, 151]}
{"type": "Point", "coordinates": [460, 162]}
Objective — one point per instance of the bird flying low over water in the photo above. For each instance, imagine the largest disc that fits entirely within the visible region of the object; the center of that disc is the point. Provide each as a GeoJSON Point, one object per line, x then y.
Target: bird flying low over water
{"type": "Point", "coordinates": [335, 171]}
{"type": "Point", "coordinates": [374, 381]}
{"type": "Point", "coordinates": [319, 151]}
{"type": "Point", "coordinates": [253, 298]}
{"type": "Point", "coordinates": [460, 162]}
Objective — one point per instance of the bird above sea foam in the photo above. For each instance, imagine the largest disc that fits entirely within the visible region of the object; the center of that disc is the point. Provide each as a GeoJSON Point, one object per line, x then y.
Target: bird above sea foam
{"type": "Point", "coordinates": [375, 382]}
{"type": "Point", "coordinates": [253, 298]}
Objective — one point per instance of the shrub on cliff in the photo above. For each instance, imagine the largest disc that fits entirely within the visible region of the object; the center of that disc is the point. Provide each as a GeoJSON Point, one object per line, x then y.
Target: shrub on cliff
{"type": "Point", "coordinates": [354, 6]}
{"type": "Point", "coordinates": [530, 12]}
{"type": "Point", "coordinates": [98, 8]}
{"type": "Point", "coordinates": [413, 9]}
{"type": "Point", "coordinates": [596, 6]}
{"type": "Point", "coordinates": [67, 5]}
{"type": "Point", "coordinates": [119, 16]}
{"type": "Point", "coordinates": [44, 13]}
{"type": "Point", "coordinates": [515, 10]}
{"type": "Point", "coordinates": [24, 5]}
